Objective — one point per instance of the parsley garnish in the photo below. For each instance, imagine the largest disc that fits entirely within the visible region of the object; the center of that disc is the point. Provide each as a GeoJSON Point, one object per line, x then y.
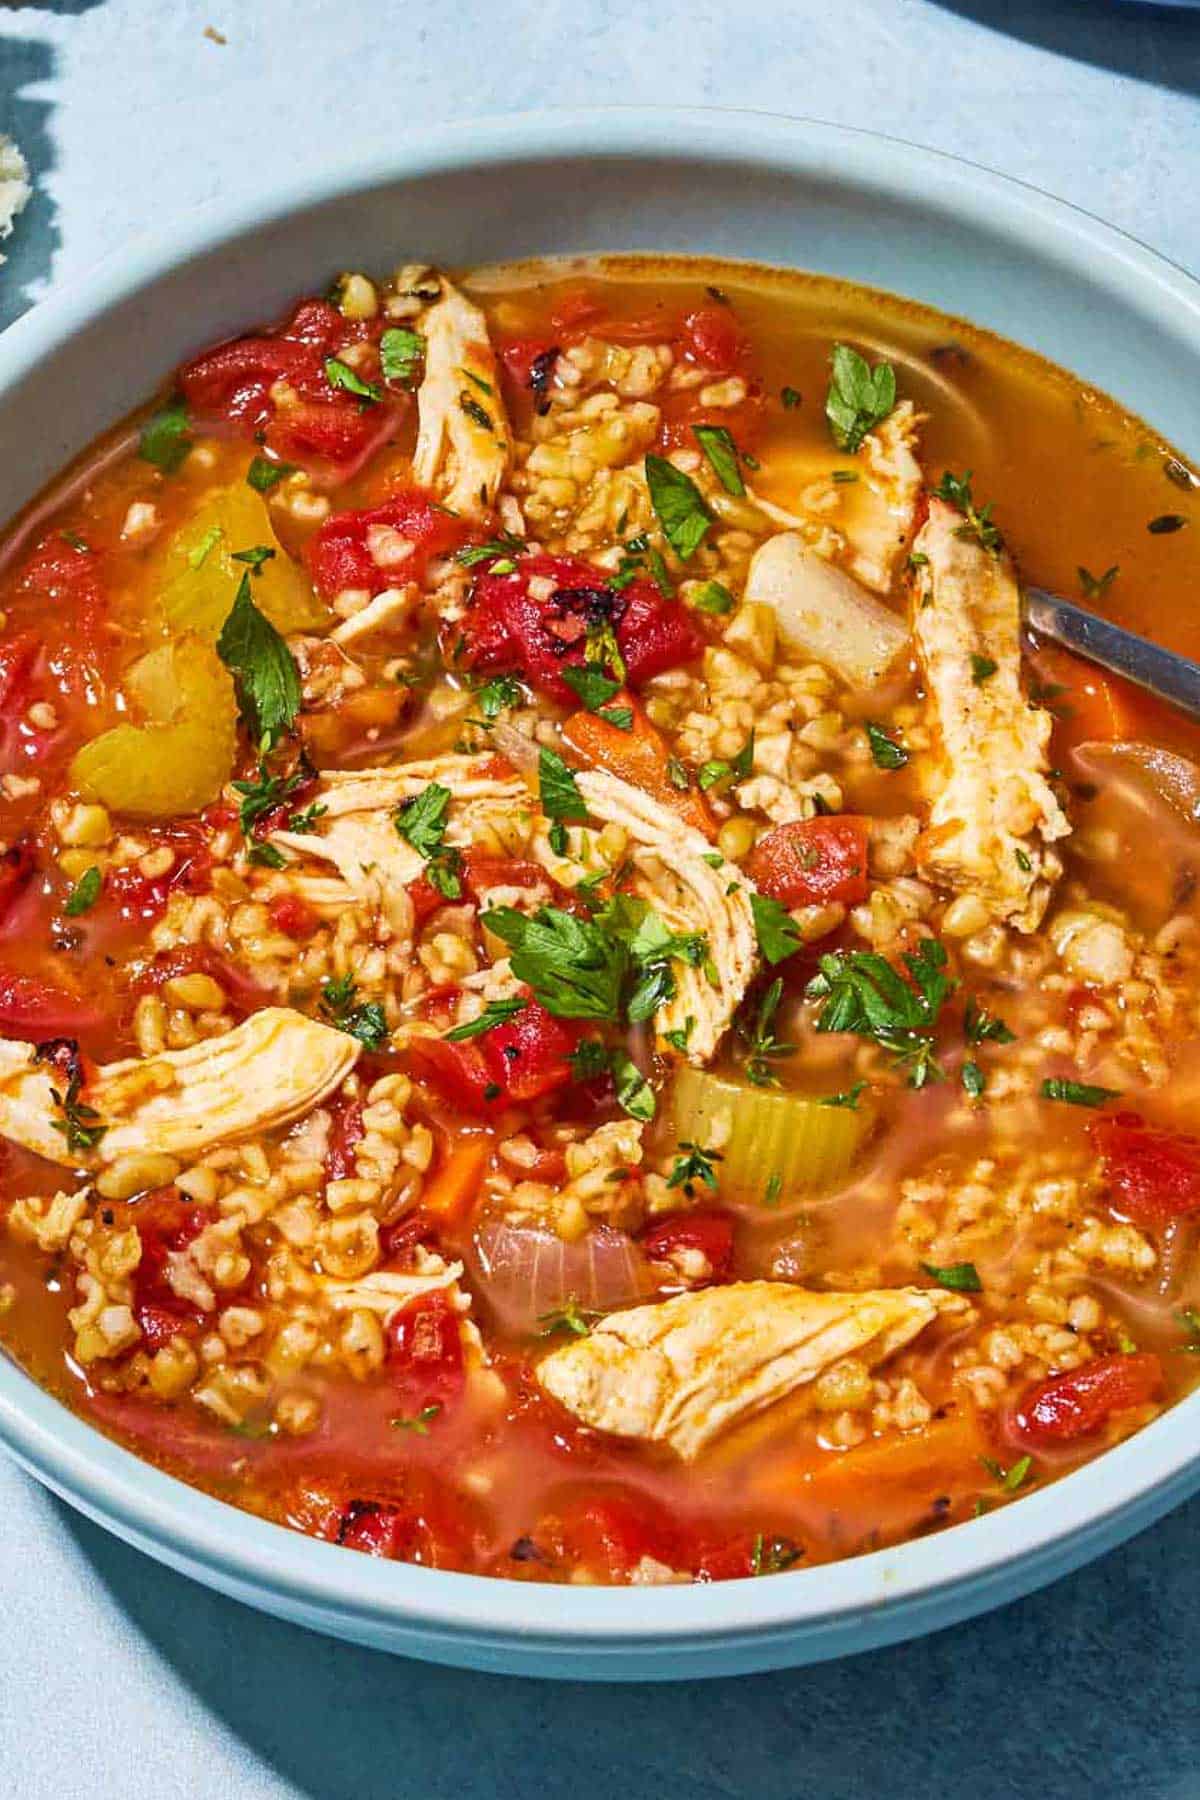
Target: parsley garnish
{"type": "Point", "coordinates": [960, 1278]}
{"type": "Point", "coordinates": [165, 438]}
{"type": "Point", "coordinates": [956, 491]}
{"type": "Point", "coordinates": [791, 397]}
{"type": "Point", "coordinates": [695, 1165]}
{"type": "Point", "coordinates": [982, 668]}
{"type": "Point", "coordinates": [1094, 587]}
{"type": "Point", "coordinates": [306, 820]}
{"type": "Point", "coordinates": [982, 1027]}
{"type": "Point", "coordinates": [497, 695]}
{"type": "Point", "coordinates": [266, 856]}
{"type": "Point", "coordinates": [478, 415]}
{"type": "Point", "coordinates": [80, 1124]}
{"type": "Point", "coordinates": [886, 753]}
{"type": "Point", "coordinates": [496, 1012]}
{"type": "Point", "coordinates": [859, 397]}
{"type": "Point", "coordinates": [864, 994]}
{"type": "Point", "coordinates": [255, 557]}
{"type": "Point", "coordinates": [263, 475]}
{"type": "Point", "coordinates": [758, 1034]}
{"type": "Point", "coordinates": [265, 793]}
{"type": "Point", "coordinates": [84, 894]}
{"type": "Point", "coordinates": [575, 969]}
{"type": "Point", "coordinates": [777, 932]}
{"type": "Point", "coordinates": [594, 688]}
{"type": "Point", "coordinates": [505, 545]}
{"type": "Point", "coordinates": [973, 1079]}
{"type": "Point", "coordinates": [589, 1059]}
{"type": "Point", "coordinates": [737, 768]}
{"type": "Point", "coordinates": [1010, 1479]}
{"type": "Point", "coordinates": [619, 717]}
{"type": "Point", "coordinates": [722, 455]}
{"type": "Point", "coordinates": [262, 666]}
{"type": "Point", "coordinates": [339, 374]}
{"type": "Point", "coordinates": [421, 821]}
{"type": "Point", "coordinates": [1166, 523]}
{"type": "Point", "coordinates": [420, 1422]}
{"type": "Point", "coordinates": [712, 597]}
{"type": "Point", "coordinates": [559, 790]}
{"type": "Point", "coordinates": [570, 1316]}
{"type": "Point", "coordinates": [400, 353]}
{"type": "Point", "coordinates": [366, 1021]}
{"type": "Point", "coordinates": [773, 1189]}
{"type": "Point", "coordinates": [1190, 1317]}
{"type": "Point", "coordinates": [849, 1099]}
{"type": "Point", "coordinates": [633, 1091]}
{"type": "Point", "coordinates": [1077, 1093]}
{"type": "Point", "coordinates": [772, 1555]}
{"type": "Point", "coordinates": [678, 505]}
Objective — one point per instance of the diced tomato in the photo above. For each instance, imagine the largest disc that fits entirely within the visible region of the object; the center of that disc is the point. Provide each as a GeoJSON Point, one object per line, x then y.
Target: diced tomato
{"type": "Point", "coordinates": [578, 306]}
{"type": "Point", "coordinates": [512, 1064]}
{"type": "Point", "coordinates": [347, 1131]}
{"type": "Point", "coordinates": [144, 897]}
{"type": "Point", "coordinates": [482, 872]}
{"type": "Point", "coordinates": [292, 915]}
{"type": "Point", "coordinates": [710, 336]}
{"type": "Point", "coordinates": [375, 1530]}
{"type": "Point", "coordinates": [398, 1240]}
{"type": "Point", "coordinates": [1079, 1402]}
{"type": "Point", "coordinates": [609, 1534]}
{"type": "Point", "coordinates": [529, 362]}
{"type": "Point", "coordinates": [811, 862]}
{"type": "Point", "coordinates": [32, 1007]}
{"type": "Point", "coordinates": [166, 1223]}
{"type": "Point", "coordinates": [425, 1352]}
{"type": "Point", "coordinates": [528, 1054]}
{"type": "Point", "coordinates": [235, 384]}
{"type": "Point", "coordinates": [707, 1230]}
{"type": "Point", "coordinates": [339, 555]}
{"type": "Point", "coordinates": [507, 627]}
{"type": "Point", "coordinates": [244, 993]}
{"type": "Point", "coordinates": [1154, 1175]}
{"type": "Point", "coordinates": [66, 578]}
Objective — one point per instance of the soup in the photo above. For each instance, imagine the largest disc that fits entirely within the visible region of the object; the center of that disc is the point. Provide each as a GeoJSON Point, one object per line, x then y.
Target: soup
{"type": "Point", "coordinates": [580, 1001]}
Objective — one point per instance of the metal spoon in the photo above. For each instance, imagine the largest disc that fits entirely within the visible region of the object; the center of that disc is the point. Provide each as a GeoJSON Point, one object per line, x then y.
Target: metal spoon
{"type": "Point", "coordinates": [1161, 672]}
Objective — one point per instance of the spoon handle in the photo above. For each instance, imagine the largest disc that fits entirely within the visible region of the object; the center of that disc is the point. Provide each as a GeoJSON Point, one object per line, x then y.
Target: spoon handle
{"type": "Point", "coordinates": [1159, 671]}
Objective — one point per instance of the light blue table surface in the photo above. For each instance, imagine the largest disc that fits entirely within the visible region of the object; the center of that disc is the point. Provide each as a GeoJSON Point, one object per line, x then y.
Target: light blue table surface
{"type": "Point", "coordinates": [118, 1678]}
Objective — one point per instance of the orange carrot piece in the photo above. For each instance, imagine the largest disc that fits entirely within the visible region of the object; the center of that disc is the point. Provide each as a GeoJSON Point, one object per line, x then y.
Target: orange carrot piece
{"type": "Point", "coordinates": [1089, 706]}
{"type": "Point", "coordinates": [451, 1191]}
{"type": "Point", "coordinates": [638, 756]}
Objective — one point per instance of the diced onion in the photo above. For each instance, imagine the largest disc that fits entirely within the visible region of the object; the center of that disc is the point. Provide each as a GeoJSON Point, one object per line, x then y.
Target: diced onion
{"type": "Point", "coordinates": [523, 1273]}
{"type": "Point", "coordinates": [776, 1147]}
{"type": "Point", "coordinates": [822, 612]}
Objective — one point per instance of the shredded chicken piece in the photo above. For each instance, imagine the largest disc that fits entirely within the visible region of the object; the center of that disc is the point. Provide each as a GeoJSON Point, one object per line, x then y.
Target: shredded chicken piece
{"type": "Point", "coordinates": [689, 895]}
{"type": "Point", "coordinates": [269, 1070]}
{"type": "Point", "coordinates": [994, 812]}
{"type": "Point", "coordinates": [357, 831]}
{"type": "Point", "coordinates": [463, 444]}
{"type": "Point", "coordinates": [684, 1370]}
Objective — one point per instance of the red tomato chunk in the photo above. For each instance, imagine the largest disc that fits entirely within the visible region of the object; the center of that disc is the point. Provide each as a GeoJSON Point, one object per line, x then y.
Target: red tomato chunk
{"type": "Point", "coordinates": [166, 1223]}
{"type": "Point", "coordinates": [812, 862]}
{"type": "Point", "coordinates": [1154, 1175]}
{"type": "Point", "coordinates": [1074, 1405]}
{"type": "Point", "coordinates": [425, 1353]}
{"type": "Point", "coordinates": [537, 621]}
{"type": "Point", "coordinates": [710, 1232]}
{"type": "Point", "coordinates": [341, 555]}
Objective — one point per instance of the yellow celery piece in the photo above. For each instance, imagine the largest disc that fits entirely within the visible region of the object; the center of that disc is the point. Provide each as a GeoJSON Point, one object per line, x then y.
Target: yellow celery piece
{"type": "Point", "coordinates": [181, 758]}
{"type": "Point", "coordinates": [776, 1146]}
{"type": "Point", "coordinates": [196, 575]}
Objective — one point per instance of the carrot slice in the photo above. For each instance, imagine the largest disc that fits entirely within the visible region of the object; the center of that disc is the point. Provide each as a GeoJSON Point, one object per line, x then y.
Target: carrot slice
{"type": "Point", "coordinates": [1089, 707]}
{"type": "Point", "coordinates": [638, 756]}
{"type": "Point", "coordinates": [451, 1191]}
{"type": "Point", "coordinates": [888, 1487]}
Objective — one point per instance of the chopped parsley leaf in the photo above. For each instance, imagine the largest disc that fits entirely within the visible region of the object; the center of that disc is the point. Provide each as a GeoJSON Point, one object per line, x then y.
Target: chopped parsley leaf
{"type": "Point", "coordinates": [559, 790]}
{"type": "Point", "coordinates": [848, 1099]}
{"type": "Point", "coordinates": [722, 456]}
{"type": "Point", "coordinates": [777, 932]}
{"type": "Point", "coordinates": [263, 668]}
{"type": "Point", "coordinates": [165, 438]}
{"type": "Point", "coordinates": [365, 1021]}
{"type": "Point", "coordinates": [960, 1278]}
{"type": "Point", "coordinates": [886, 753]}
{"type": "Point", "coordinates": [400, 353]}
{"type": "Point", "coordinates": [263, 474]}
{"type": "Point", "coordinates": [339, 374]}
{"type": "Point", "coordinates": [679, 506]}
{"type": "Point", "coordinates": [982, 668]}
{"type": "Point", "coordinates": [859, 397]}
{"type": "Point", "coordinates": [85, 893]}
{"type": "Point", "coordinates": [712, 597]}
{"type": "Point", "coordinates": [696, 1165]}
{"type": "Point", "coordinates": [1077, 1093]}
{"type": "Point", "coordinates": [594, 688]}
{"type": "Point", "coordinates": [496, 1012]}
{"type": "Point", "coordinates": [956, 491]}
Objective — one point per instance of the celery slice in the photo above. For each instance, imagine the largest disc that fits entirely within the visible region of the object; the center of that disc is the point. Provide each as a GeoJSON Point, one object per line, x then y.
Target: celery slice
{"type": "Point", "coordinates": [197, 574]}
{"type": "Point", "coordinates": [776, 1146]}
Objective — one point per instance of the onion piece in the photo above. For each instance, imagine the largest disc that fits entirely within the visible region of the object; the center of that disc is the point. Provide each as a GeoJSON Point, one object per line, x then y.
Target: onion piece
{"type": "Point", "coordinates": [522, 752]}
{"type": "Point", "coordinates": [791, 1146]}
{"type": "Point", "coordinates": [1144, 793]}
{"type": "Point", "coordinates": [521, 1273]}
{"type": "Point", "coordinates": [822, 612]}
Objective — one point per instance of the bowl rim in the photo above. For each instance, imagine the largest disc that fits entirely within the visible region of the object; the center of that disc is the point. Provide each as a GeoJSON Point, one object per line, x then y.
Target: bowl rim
{"type": "Point", "coordinates": [1127, 1486]}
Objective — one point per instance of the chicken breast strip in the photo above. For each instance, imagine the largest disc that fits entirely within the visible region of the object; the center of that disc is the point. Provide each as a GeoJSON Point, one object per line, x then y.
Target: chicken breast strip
{"type": "Point", "coordinates": [269, 1070]}
{"type": "Point", "coordinates": [994, 814]}
{"type": "Point", "coordinates": [685, 1370]}
{"type": "Point", "coordinates": [357, 832]}
{"type": "Point", "coordinates": [674, 874]}
{"type": "Point", "coordinates": [464, 444]}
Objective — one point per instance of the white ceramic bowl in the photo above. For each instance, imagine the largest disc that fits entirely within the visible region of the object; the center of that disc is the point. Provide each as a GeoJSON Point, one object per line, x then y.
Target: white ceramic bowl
{"type": "Point", "coordinates": [778, 191]}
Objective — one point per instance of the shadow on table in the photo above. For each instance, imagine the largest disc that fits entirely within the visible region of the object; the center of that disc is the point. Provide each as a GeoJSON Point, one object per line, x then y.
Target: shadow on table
{"type": "Point", "coordinates": [1086, 1689]}
{"type": "Point", "coordinates": [24, 64]}
{"type": "Point", "coordinates": [1156, 44]}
